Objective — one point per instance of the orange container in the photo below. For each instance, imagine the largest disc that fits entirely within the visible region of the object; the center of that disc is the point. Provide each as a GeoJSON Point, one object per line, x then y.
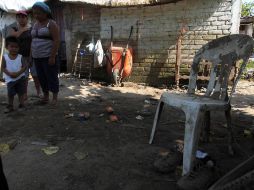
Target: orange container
{"type": "Point", "coordinates": [120, 62]}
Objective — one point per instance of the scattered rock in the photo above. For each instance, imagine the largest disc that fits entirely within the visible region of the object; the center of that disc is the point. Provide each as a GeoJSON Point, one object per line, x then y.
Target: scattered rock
{"type": "Point", "coordinates": [145, 112]}
{"type": "Point", "coordinates": [167, 162]}
{"type": "Point", "coordinates": [80, 155]}
{"type": "Point", "coordinates": [163, 152]}
{"type": "Point", "coordinates": [101, 115]}
{"type": "Point", "coordinates": [40, 143]}
{"type": "Point", "coordinates": [84, 115]}
{"type": "Point", "coordinates": [147, 101]}
{"type": "Point", "coordinates": [109, 109]}
{"type": "Point", "coordinates": [247, 133]}
{"type": "Point", "coordinates": [69, 115]}
{"type": "Point", "coordinates": [4, 103]}
{"type": "Point", "coordinates": [12, 144]}
{"type": "Point", "coordinates": [50, 150]}
{"type": "Point", "coordinates": [139, 117]}
{"type": "Point", "coordinates": [113, 118]}
{"type": "Point", "coordinates": [4, 148]}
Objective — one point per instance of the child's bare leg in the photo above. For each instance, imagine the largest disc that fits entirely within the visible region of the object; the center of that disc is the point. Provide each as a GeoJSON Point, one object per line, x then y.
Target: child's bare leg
{"type": "Point", "coordinates": [26, 86]}
{"type": "Point", "coordinates": [10, 104]}
{"type": "Point", "coordinates": [10, 101]}
{"type": "Point", "coordinates": [21, 100]}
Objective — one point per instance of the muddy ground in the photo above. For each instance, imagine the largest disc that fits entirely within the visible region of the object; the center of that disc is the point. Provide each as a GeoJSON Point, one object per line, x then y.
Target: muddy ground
{"type": "Point", "coordinates": [111, 155]}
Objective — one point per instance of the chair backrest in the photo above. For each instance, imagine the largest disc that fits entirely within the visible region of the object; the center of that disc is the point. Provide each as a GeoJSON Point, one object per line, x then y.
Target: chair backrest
{"type": "Point", "coordinates": [223, 54]}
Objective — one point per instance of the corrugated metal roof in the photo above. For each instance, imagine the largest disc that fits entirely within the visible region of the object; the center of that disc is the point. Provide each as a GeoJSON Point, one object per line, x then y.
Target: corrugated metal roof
{"type": "Point", "coordinates": [16, 5]}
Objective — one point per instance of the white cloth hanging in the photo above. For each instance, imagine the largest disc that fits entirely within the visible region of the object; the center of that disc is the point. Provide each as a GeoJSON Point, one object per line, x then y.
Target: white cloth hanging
{"type": "Point", "coordinates": [98, 54]}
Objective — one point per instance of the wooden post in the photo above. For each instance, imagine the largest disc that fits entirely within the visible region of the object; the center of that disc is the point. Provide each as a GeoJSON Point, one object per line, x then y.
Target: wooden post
{"type": "Point", "coordinates": [178, 56]}
{"type": "Point", "coordinates": [2, 51]}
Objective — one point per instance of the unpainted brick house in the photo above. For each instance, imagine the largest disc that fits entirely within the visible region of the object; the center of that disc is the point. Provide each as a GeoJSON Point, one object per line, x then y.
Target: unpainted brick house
{"type": "Point", "coordinates": [158, 28]}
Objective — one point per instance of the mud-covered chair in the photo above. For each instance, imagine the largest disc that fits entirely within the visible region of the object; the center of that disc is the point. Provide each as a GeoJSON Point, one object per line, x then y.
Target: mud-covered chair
{"type": "Point", "coordinates": [223, 53]}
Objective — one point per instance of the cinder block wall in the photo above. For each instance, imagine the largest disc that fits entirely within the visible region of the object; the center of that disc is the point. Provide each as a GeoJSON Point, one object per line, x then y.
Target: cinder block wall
{"type": "Point", "coordinates": [155, 34]}
{"type": "Point", "coordinates": [156, 29]}
{"type": "Point", "coordinates": [82, 21]}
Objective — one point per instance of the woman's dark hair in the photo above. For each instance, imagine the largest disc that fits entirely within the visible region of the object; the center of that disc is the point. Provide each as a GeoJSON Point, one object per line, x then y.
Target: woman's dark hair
{"type": "Point", "coordinates": [11, 39]}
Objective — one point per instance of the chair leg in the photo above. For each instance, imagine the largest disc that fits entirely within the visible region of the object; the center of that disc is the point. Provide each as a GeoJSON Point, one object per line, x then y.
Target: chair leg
{"type": "Point", "coordinates": [230, 133]}
{"type": "Point", "coordinates": [156, 119]}
{"type": "Point", "coordinates": [191, 137]}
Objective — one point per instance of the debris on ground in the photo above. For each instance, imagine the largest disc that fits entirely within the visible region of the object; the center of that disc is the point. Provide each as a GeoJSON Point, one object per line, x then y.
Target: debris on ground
{"type": "Point", "coordinates": [139, 117]}
{"type": "Point", "coordinates": [153, 101]}
{"type": "Point", "coordinates": [199, 180]}
{"type": "Point", "coordinates": [248, 133]}
{"type": "Point", "coordinates": [4, 103]}
{"type": "Point", "coordinates": [200, 154]}
{"type": "Point", "coordinates": [164, 152]}
{"type": "Point", "coordinates": [9, 145]}
{"type": "Point", "coordinates": [145, 112]}
{"type": "Point", "coordinates": [147, 101]}
{"type": "Point", "coordinates": [204, 159]}
{"type": "Point", "coordinates": [80, 155]}
{"type": "Point", "coordinates": [101, 115]}
{"type": "Point", "coordinates": [84, 116]}
{"type": "Point", "coordinates": [113, 118]}
{"type": "Point", "coordinates": [40, 143]}
{"type": "Point", "coordinates": [69, 115]}
{"type": "Point", "coordinates": [50, 150]}
{"type": "Point", "coordinates": [71, 106]}
{"type": "Point", "coordinates": [12, 143]}
{"type": "Point", "coordinates": [167, 161]}
{"type": "Point", "coordinates": [4, 148]}
{"type": "Point", "coordinates": [179, 145]}
{"type": "Point", "coordinates": [203, 174]}
{"type": "Point", "coordinates": [109, 109]}
{"type": "Point", "coordinates": [126, 141]}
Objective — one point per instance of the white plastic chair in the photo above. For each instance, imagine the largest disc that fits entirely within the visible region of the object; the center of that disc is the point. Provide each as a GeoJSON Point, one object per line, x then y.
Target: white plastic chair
{"type": "Point", "coordinates": [223, 54]}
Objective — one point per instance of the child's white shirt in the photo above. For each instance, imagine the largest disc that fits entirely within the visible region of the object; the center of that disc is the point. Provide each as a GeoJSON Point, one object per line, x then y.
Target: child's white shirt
{"type": "Point", "coordinates": [13, 66]}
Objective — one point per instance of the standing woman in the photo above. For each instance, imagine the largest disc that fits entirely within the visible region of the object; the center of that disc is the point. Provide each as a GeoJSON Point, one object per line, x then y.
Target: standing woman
{"type": "Point", "coordinates": [45, 42]}
{"type": "Point", "coordinates": [23, 33]}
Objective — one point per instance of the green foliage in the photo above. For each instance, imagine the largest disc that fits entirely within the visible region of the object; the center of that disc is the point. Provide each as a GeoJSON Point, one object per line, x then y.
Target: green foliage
{"type": "Point", "coordinates": [247, 9]}
{"type": "Point", "coordinates": [250, 64]}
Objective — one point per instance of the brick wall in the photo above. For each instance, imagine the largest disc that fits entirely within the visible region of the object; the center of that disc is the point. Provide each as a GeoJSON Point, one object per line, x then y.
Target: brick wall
{"type": "Point", "coordinates": [81, 23]}
{"type": "Point", "coordinates": [156, 30]}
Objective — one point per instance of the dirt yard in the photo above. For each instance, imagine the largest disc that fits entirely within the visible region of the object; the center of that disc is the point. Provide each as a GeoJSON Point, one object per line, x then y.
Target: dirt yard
{"type": "Point", "coordinates": [97, 154]}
